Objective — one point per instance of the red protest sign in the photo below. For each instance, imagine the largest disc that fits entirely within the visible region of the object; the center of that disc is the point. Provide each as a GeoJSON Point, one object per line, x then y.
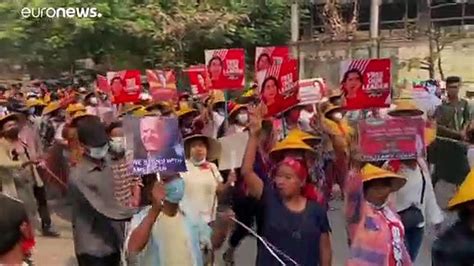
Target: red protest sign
{"type": "Point", "coordinates": [162, 84]}
{"type": "Point", "coordinates": [265, 57]}
{"type": "Point", "coordinates": [226, 68]}
{"type": "Point", "coordinates": [125, 85]}
{"type": "Point", "coordinates": [391, 138]}
{"type": "Point", "coordinates": [277, 86]}
{"type": "Point", "coordinates": [198, 79]}
{"type": "Point", "coordinates": [366, 83]}
{"type": "Point", "coordinates": [102, 84]}
{"type": "Point", "coordinates": [311, 91]}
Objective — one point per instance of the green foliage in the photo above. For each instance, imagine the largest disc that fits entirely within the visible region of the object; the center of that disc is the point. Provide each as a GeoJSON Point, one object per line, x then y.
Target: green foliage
{"type": "Point", "coordinates": [138, 33]}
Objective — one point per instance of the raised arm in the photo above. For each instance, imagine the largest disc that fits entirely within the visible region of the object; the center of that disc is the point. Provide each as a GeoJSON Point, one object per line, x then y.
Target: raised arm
{"type": "Point", "coordinates": [253, 182]}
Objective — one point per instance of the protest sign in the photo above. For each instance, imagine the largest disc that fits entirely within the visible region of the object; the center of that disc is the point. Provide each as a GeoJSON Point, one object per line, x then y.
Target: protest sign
{"type": "Point", "coordinates": [102, 84]}
{"type": "Point", "coordinates": [125, 85]}
{"type": "Point", "coordinates": [277, 87]}
{"type": "Point", "coordinates": [198, 79]}
{"type": "Point", "coordinates": [425, 98]}
{"type": "Point", "coordinates": [156, 143]}
{"type": "Point", "coordinates": [265, 57]}
{"type": "Point", "coordinates": [311, 91]}
{"type": "Point", "coordinates": [162, 84]}
{"type": "Point", "coordinates": [366, 83]}
{"type": "Point", "coordinates": [232, 155]}
{"type": "Point", "coordinates": [226, 68]}
{"type": "Point", "coordinates": [393, 138]}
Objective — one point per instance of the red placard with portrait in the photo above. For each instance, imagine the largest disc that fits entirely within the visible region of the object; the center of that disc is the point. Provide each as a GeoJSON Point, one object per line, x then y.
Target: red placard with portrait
{"type": "Point", "coordinates": [278, 86]}
{"type": "Point", "coordinates": [198, 79]}
{"type": "Point", "coordinates": [366, 83]}
{"type": "Point", "coordinates": [103, 84]}
{"type": "Point", "coordinates": [265, 57]}
{"type": "Point", "coordinates": [162, 84]}
{"type": "Point", "coordinates": [125, 85]}
{"type": "Point", "coordinates": [226, 68]}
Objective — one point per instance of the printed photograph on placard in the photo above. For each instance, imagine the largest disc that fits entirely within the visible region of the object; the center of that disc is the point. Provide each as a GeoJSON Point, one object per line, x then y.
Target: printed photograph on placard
{"type": "Point", "coordinates": [265, 57]}
{"type": "Point", "coordinates": [125, 85]}
{"type": "Point", "coordinates": [156, 143]}
{"type": "Point", "coordinates": [366, 83]}
{"type": "Point", "coordinates": [162, 84]}
{"type": "Point", "coordinates": [277, 87]}
{"type": "Point", "coordinates": [198, 79]}
{"type": "Point", "coordinates": [226, 68]}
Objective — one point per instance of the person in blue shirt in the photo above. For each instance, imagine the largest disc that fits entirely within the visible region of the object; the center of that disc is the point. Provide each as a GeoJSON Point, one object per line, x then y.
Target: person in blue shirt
{"type": "Point", "coordinates": [296, 227]}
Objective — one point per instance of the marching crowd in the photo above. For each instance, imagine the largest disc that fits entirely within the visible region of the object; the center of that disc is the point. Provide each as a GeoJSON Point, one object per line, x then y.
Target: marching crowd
{"type": "Point", "coordinates": [58, 138]}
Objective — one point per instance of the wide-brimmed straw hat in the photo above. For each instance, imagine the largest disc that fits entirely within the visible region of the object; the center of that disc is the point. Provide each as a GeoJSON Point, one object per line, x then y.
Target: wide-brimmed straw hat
{"type": "Point", "coordinates": [78, 115]}
{"type": "Point", "coordinates": [51, 107]}
{"type": "Point", "coordinates": [164, 107]}
{"type": "Point", "coordinates": [185, 109]}
{"type": "Point", "coordinates": [214, 146]}
{"type": "Point", "coordinates": [330, 108]}
{"type": "Point", "coordinates": [7, 117]}
{"type": "Point", "coordinates": [235, 109]}
{"type": "Point", "coordinates": [405, 107]}
{"type": "Point", "coordinates": [304, 136]}
{"type": "Point", "coordinates": [75, 107]}
{"type": "Point", "coordinates": [335, 94]}
{"type": "Point", "coordinates": [129, 108]}
{"type": "Point", "coordinates": [371, 172]}
{"type": "Point", "coordinates": [465, 192]}
{"type": "Point", "coordinates": [34, 102]}
{"type": "Point", "coordinates": [291, 142]}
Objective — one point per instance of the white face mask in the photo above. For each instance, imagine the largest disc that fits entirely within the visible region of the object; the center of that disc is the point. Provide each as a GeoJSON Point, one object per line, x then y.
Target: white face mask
{"type": "Point", "coordinates": [243, 118]}
{"type": "Point", "coordinates": [117, 144]}
{"type": "Point", "coordinates": [304, 121]}
{"type": "Point", "coordinates": [99, 153]}
{"type": "Point", "coordinates": [94, 101]}
{"type": "Point", "coordinates": [198, 163]}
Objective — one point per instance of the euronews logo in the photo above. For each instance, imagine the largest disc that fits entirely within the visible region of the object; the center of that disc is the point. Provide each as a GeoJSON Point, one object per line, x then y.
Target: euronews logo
{"type": "Point", "coordinates": [60, 12]}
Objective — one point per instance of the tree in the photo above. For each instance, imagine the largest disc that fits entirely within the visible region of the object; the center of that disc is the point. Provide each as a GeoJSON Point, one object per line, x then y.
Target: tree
{"type": "Point", "coordinates": [138, 33]}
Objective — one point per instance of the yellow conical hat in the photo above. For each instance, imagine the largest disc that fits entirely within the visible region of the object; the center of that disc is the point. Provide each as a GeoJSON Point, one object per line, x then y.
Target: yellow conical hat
{"type": "Point", "coordinates": [405, 107]}
{"type": "Point", "coordinates": [304, 136]}
{"type": "Point", "coordinates": [465, 192]}
{"type": "Point", "coordinates": [289, 143]}
{"type": "Point", "coordinates": [371, 172]}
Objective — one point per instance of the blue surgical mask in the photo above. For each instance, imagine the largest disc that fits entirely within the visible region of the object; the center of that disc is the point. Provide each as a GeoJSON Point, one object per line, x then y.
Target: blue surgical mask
{"type": "Point", "coordinates": [174, 190]}
{"type": "Point", "coordinates": [99, 153]}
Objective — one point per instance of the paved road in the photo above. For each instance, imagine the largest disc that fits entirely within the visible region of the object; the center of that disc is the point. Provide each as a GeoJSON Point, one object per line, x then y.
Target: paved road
{"type": "Point", "coordinates": [60, 252]}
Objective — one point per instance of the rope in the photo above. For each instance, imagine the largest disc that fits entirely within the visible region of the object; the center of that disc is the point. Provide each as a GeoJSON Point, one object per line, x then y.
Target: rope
{"type": "Point", "coordinates": [54, 176]}
{"type": "Point", "coordinates": [271, 248]}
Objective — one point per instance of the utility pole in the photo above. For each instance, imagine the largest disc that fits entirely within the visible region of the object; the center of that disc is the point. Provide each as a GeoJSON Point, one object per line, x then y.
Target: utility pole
{"type": "Point", "coordinates": [374, 28]}
{"type": "Point", "coordinates": [295, 35]}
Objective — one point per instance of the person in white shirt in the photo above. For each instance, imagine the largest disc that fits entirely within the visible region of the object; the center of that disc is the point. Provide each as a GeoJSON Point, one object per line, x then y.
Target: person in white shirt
{"type": "Point", "coordinates": [416, 203]}
{"type": "Point", "coordinates": [203, 180]}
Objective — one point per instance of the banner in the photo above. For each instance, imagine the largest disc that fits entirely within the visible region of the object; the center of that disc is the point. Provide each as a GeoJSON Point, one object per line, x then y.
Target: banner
{"type": "Point", "coordinates": [156, 144]}
{"type": "Point", "coordinates": [265, 57]}
{"type": "Point", "coordinates": [226, 68]}
{"type": "Point", "coordinates": [388, 139]}
{"type": "Point", "coordinates": [162, 84]}
{"type": "Point", "coordinates": [198, 79]}
{"type": "Point", "coordinates": [125, 85]}
{"type": "Point", "coordinates": [366, 83]}
{"type": "Point", "coordinates": [311, 91]}
{"type": "Point", "coordinates": [424, 95]}
{"type": "Point", "coordinates": [103, 84]}
{"type": "Point", "coordinates": [277, 86]}
{"type": "Point", "coordinates": [233, 154]}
